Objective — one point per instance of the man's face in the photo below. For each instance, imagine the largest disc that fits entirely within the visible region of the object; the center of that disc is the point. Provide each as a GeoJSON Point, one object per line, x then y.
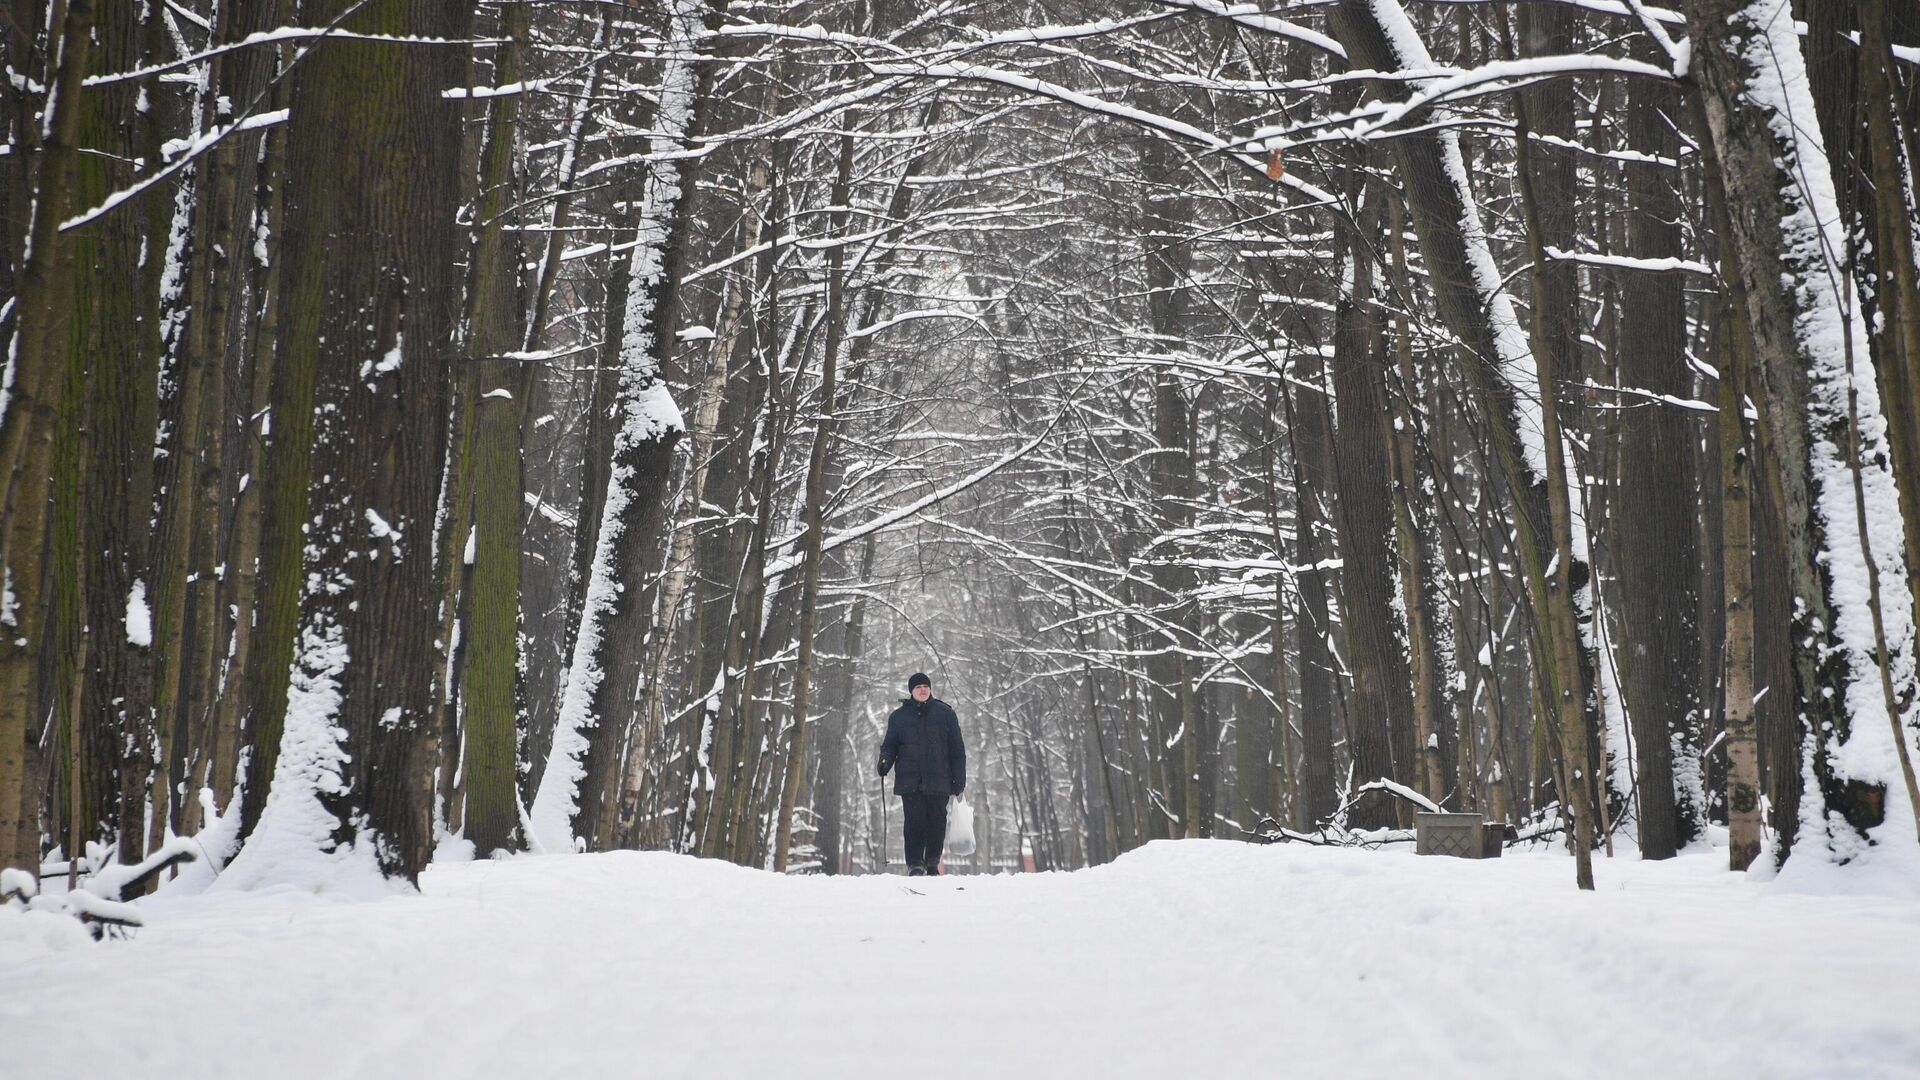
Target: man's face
{"type": "Point", "coordinates": [922, 692]}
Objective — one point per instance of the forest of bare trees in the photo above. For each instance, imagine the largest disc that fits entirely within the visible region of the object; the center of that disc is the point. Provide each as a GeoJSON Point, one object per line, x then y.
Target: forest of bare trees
{"type": "Point", "coordinates": [433, 430]}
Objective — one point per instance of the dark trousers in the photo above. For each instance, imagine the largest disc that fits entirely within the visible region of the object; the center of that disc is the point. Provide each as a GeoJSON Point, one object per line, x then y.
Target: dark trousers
{"type": "Point", "coordinates": [926, 816]}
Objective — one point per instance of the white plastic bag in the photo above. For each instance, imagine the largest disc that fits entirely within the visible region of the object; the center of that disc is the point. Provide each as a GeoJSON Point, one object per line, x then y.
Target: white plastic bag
{"type": "Point", "coordinates": [959, 827]}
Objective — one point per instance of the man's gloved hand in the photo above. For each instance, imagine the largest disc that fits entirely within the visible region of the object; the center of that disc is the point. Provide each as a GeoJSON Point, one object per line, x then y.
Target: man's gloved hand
{"type": "Point", "coordinates": [884, 766]}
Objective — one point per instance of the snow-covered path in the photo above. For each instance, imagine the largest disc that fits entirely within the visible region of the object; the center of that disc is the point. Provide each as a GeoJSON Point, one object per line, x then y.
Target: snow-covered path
{"type": "Point", "coordinates": [1186, 959]}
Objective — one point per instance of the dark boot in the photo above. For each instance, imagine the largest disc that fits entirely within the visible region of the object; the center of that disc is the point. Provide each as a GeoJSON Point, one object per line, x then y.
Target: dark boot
{"type": "Point", "coordinates": [915, 871]}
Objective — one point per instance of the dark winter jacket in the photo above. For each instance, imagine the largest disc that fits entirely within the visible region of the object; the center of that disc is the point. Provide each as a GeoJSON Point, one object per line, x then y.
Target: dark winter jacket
{"type": "Point", "coordinates": [923, 748]}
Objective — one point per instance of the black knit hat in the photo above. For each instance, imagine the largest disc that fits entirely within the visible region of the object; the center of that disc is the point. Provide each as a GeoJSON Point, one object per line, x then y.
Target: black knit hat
{"type": "Point", "coordinates": [919, 679]}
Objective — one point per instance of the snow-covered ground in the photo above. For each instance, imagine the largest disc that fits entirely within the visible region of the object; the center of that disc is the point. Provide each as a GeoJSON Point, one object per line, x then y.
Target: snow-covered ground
{"type": "Point", "coordinates": [1194, 958]}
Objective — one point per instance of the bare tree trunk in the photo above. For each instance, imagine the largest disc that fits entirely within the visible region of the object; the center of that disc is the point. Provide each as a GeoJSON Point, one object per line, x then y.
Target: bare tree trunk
{"type": "Point", "coordinates": [596, 467]}
{"type": "Point", "coordinates": [1897, 353]}
{"type": "Point", "coordinates": [1315, 797]}
{"type": "Point", "coordinates": [1280, 746]}
{"type": "Point", "coordinates": [44, 303]}
{"type": "Point", "coordinates": [603, 685]}
{"type": "Point", "coordinates": [369, 327]}
{"type": "Point", "coordinates": [184, 579]}
{"type": "Point", "coordinates": [702, 435]}
{"type": "Point", "coordinates": [724, 736]}
{"type": "Point", "coordinates": [246, 700]}
{"type": "Point", "coordinates": [1653, 541]}
{"type": "Point", "coordinates": [1380, 715]}
{"type": "Point", "coordinates": [596, 454]}
{"type": "Point", "coordinates": [104, 471]}
{"type": "Point", "coordinates": [1473, 303]}
{"type": "Point", "coordinates": [813, 522]}
{"type": "Point", "coordinates": [1743, 757]}
{"type": "Point", "coordinates": [232, 203]}
{"type": "Point", "coordinates": [840, 699]}
{"type": "Point", "coordinates": [1168, 263]}
{"type": "Point", "coordinates": [1784, 239]}
{"type": "Point", "coordinates": [1851, 70]}
{"type": "Point", "coordinates": [496, 389]}
{"type": "Point", "coordinates": [1423, 571]}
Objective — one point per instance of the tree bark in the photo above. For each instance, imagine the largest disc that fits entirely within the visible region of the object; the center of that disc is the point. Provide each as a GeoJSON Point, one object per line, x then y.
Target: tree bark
{"type": "Point", "coordinates": [1280, 784]}
{"type": "Point", "coordinates": [1896, 303]}
{"type": "Point", "coordinates": [1476, 308]}
{"type": "Point", "coordinates": [608, 655]}
{"type": "Point", "coordinates": [1380, 710]}
{"type": "Point", "coordinates": [813, 523]}
{"type": "Point", "coordinates": [1423, 570]}
{"type": "Point", "coordinates": [496, 389]}
{"type": "Point", "coordinates": [1823, 413]}
{"type": "Point", "coordinates": [1316, 796]}
{"type": "Point", "coordinates": [44, 304]}
{"type": "Point", "coordinates": [840, 699]}
{"type": "Point", "coordinates": [1653, 541]}
{"type": "Point", "coordinates": [234, 171]}
{"type": "Point", "coordinates": [1743, 756]}
{"type": "Point", "coordinates": [1166, 211]}
{"type": "Point", "coordinates": [370, 314]}
{"type": "Point", "coordinates": [105, 467]}
{"type": "Point", "coordinates": [247, 702]}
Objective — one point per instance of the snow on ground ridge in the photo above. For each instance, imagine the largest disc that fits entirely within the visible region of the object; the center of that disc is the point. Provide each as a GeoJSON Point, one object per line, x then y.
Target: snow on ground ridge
{"type": "Point", "coordinates": [1200, 957]}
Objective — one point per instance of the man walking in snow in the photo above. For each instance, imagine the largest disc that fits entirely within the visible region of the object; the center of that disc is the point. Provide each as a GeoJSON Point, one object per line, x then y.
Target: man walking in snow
{"type": "Point", "coordinates": [923, 740]}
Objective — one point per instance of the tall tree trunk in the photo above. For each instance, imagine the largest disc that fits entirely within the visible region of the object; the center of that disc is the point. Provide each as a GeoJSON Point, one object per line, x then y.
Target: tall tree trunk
{"type": "Point", "coordinates": [1783, 741]}
{"type": "Point", "coordinates": [596, 468]}
{"type": "Point", "coordinates": [1316, 796]}
{"type": "Point", "coordinates": [1896, 296]}
{"type": "Point", "coordinates": [246, 701]}
{"type": "Point", "coordinates": [1653, 541]}
{"type": "Point", "coordinates": [496, 389]}
{"type": "Point", "coordinates": [231, 204]}
{"type": "Point", "coordinates": [369, 325]}
{"type": "Point", "coordinates": [1743, 754]}
{"type": "Point", "coordinates": [840, 705]}
{"type": "Point", "coordinates": [1550, 188]}
{"type": "Point", "coordinates": [1823, 409]}
{"type": "Point", "coordinates": [1423, 570]}
{"type": "Point", "coordinates": [813, 522]}
{"type": "Point", "coordinates": [603, 684]}
{"type": "Point", "coordinates": [703, 433]}
{"type": "Point", "coordinates": [1166, 211]}
{"type": "Point", "coordinates": [1850, 65]}
{"type": "Point", "coordinates": [187, 573]}
{"type": "Point", "coordinates": [1280, 783]}
{"type": "Point", "coordinates": [1380, 713]}
{"type": "Point", "coordinates": [724, 736]}
{"type": "Point", "coordinates": [1475, 306]}
{"type": "Point", "coordinates": [41, 325]}
{"type": "Point", "coordinates": [104, 471]}
{"type": "Point", "coordinates": [596, 453]}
